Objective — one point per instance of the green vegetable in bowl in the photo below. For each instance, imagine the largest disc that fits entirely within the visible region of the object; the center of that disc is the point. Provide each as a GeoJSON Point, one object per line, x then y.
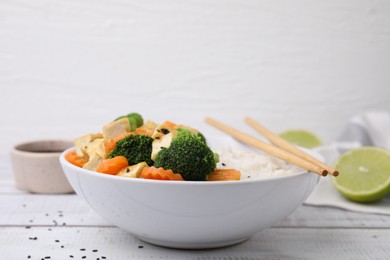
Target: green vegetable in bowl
{"type": "Point", "coordinates": [136, 149]}
{"type": "Point", "coordinates": [135, 120]}
{"type": "Point", "coordinates": [197, 133]}
{"type": "Point", "coordinates": [188, 155]}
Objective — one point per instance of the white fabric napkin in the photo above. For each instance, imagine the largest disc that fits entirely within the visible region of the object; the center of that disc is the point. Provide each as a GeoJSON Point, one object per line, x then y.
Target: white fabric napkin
{"type": "Point", "coordinates": [369, 129]}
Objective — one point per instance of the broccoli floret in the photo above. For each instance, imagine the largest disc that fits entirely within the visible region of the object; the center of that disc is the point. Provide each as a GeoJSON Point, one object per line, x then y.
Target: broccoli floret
{"type": "Point", "coordinates": [216, 157]}
{"type": "Point", "coordinates": [187, 131]}
{"type": "Point", "coordinates": [136, 149]}
{"type": "Point", "coordinates": [201, 136]}
{"type": "Point", "coordinates": [135, 120]}
{"type": "Point", "coordinates": [187, 155]}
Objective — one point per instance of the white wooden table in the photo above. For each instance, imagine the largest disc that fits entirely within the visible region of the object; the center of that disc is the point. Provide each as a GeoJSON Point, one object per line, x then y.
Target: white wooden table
{"type": "Point", "coordinates": [35, 226]}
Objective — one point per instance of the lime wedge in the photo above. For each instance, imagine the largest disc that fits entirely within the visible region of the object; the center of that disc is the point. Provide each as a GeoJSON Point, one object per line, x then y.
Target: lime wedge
{"type": "Point", "coordinates": [301, 138]}
{"type": "Point", "coordinates": [364, 174]}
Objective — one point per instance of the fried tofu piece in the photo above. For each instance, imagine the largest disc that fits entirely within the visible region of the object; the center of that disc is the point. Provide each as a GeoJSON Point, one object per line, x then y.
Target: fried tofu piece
{"type": "Point", "coordinates": [82, 143]}
{"type": "Point", "coordinates": [150, 124]}
{"type": "Point", "coordinates": [94, 161]}
{"type": "Point", "coordinates": [118, 127]}
{"type": "Point", "coordinates": [133, 171]}
{"type": "Point", "coordinates": [162, 130]}
{"type": "Point", "coordinates": [96, 146]}
{"type": "Point", "coordinates": [160, 142]}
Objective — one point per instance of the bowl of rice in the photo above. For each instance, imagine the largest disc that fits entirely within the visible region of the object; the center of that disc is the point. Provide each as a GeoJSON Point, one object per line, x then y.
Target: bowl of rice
{"type": "Point", "coordinates": [193, 214]}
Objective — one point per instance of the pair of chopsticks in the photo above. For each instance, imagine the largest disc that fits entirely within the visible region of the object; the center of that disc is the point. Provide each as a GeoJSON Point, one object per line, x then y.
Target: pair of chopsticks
{"type": "Point", "coordinates": [280, 148]}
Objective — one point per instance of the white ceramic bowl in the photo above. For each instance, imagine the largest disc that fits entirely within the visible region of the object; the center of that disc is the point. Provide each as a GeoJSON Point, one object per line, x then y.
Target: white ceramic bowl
{"type": "Point", "coordinates": [190, 214]}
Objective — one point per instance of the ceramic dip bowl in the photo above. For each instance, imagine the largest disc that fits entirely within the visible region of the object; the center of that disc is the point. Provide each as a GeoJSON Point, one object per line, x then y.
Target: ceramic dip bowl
{"type": "Point", "coordinates": [36, 166]}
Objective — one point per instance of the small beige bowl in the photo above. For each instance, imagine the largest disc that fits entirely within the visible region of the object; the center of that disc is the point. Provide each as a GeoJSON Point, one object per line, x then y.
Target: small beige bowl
{"type": "Point", "coordinates": [37, 168]}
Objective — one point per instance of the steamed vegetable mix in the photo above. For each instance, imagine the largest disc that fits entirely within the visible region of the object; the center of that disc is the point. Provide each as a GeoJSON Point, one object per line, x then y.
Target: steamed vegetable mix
{"type": "Point", "coordinates": [130, 147]}
{"type": "Point", "coordinates": [188, 155]}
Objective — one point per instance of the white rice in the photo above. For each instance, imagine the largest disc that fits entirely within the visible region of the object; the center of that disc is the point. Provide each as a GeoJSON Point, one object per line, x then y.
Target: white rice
{"type": "Point", "coordinates": [254, 165]}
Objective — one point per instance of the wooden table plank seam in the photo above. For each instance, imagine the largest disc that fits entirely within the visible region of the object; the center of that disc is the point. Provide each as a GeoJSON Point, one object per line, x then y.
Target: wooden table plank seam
{"type": "Point", "coordinates": [272, 243]}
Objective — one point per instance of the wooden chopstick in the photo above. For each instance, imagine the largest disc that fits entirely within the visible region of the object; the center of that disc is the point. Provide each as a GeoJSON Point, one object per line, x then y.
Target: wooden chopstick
{"type": "Point", "coordinates": [268, 148]}
{"type": "Point", "coordinates": [281, 143]}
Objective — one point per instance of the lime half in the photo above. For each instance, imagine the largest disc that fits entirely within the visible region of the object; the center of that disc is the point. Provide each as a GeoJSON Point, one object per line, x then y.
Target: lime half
{"type": "Point", "coordinates": [301, 138]}
{"type": "Point", "coordinates": [364, 174]}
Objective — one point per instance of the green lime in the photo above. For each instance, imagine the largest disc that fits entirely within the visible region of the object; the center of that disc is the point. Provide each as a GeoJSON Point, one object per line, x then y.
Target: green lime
{"type": "Point", "coordinates": [301, 138]}
{"type": "Point", "coordinates": [364, 174]}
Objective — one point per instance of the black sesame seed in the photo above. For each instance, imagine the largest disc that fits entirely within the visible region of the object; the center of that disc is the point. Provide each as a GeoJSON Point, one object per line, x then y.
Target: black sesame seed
{"type": "Point", "coordinates": [71, 256]}
{"type": "Point", "coordinates": [165, 131]}
{"type": "Point", "coordinates": [47, 257]}
{"type": "Point", "coordinates": [55, 222]}
{"type": "Point", "coordinates": [62, 246]}
{"type": "Point", "coordinates": [56, 240]}
{"type": "Point", "coordinates": [82, 249]}
{"type": "Point", "coordinates": [83, 257]}
{"type": "Point", "coordinates": [95, 250]}
{"type": "Point", "coordinates": [27, 226]}
{"type": "Point", "coordinates": [103, 257]}
{"type": "Point", "coordinates": [223, 164]}
{"type": "Point", "coordinates": [140, 246]}
{"type": "Point", "coordinates": [127, 169]}
{"type": "Point", "coordinates": [29, 256]}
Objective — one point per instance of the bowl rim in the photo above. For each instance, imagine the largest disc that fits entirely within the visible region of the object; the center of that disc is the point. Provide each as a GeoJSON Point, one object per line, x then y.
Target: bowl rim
{"type": "Point", "coordinates": [17, 149]}
{"type": "Point", "coordinates": [64, 162]}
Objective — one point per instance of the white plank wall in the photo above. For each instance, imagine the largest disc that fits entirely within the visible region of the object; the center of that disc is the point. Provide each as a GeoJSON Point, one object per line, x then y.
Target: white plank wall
{"type": "Point", "coordinates": [68, 67]}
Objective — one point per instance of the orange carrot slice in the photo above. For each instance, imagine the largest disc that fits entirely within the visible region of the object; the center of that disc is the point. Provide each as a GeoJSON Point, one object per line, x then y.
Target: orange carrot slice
{"type": "Point", "coordinates": [113, 165]}
{"type": "Point", "coordinates": [74, 159]}
{"type": "Point", "coordinates": [224, 175]}
{"type": "Point", "coordinates": [143, 131]}
{"type": "Point", "coordinates": [160, 174]}
{"type": "Point", "coordinates": [170, 124]}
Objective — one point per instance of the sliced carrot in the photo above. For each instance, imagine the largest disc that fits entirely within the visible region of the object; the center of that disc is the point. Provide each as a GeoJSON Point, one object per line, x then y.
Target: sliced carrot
{"type": "Point", "coordinates": [143, 131]}
{"type": "Point", "coordinates": [160, 174]}
{"type": "Point", "coordinates": [113, 165]}
{"type": "Point", "coordinates": [74, 159]}
{"type": "Point", "coordinates": [110, 145]}
{"type": "Point", "coordinates": [224, 175]}
{"type": "Point", "coordinates": [170, 124]}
